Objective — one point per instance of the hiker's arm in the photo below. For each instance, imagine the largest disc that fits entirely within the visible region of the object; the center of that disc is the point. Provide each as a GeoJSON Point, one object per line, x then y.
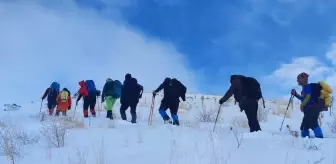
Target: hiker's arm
{"type": "Point", "coordinates": [307, 96]}
{"type": "Point", "coordinates": [227, 95]}
{"type": "Point", "coordinates": [299, 96]}
{"type": "Point", "coordinates": [159, 88]}
{"type": "Point", "coordinates": [45, 94]}
{"type": "Point", "coordinates": [141, 90]}
{"type": "Point", "coordinates": [79, 97]}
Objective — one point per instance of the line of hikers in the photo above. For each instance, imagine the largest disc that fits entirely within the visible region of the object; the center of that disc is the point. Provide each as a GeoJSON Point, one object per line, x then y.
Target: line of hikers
{"type": "Point", "coordinates": [315, 97]}
{"type": "Point", "coordinates": [129, 93]}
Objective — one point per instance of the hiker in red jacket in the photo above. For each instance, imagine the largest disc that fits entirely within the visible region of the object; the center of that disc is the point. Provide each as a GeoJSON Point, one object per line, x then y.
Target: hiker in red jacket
{"type": "Point", "coordinates": [89, 97]}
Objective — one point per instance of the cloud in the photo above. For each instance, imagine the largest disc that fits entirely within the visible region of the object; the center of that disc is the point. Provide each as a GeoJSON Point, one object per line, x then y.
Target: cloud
{"type": "Point", "coordinates": [331, 54]}
{"type": "Point", "coordinates": [285, 75]}
{"type": "Point", "coordinates": [41, 44]}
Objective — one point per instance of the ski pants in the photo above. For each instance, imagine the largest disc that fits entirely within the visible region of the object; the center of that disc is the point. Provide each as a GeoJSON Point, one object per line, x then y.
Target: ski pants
{"type": "Point", "coordinates": [51, 105]}
{"type": "Point", "coordinates": [89, 101]}
{"type": "Point", "coordinates": [251, 110]}
{"type": "Point", "coordinates": [109, 103]}
{"type": "Point", "coordinates": [173, 106]}
{"type": "Point", "coordinates": [124, 106]}
{"type": "Point", "coordinates": [310, 121]}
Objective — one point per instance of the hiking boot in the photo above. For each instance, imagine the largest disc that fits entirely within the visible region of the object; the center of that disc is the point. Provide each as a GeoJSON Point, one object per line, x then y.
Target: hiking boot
{"type": "Point", "coordinates": [176, 122]}
{"type": "Point", "coordinates": [168, 121]}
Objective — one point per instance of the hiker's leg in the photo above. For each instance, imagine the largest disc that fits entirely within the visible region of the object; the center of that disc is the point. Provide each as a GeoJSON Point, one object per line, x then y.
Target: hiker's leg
{"type": "Point", "coordinates": [86, 105]}
{"type": "Point", "coordinates": [93, 104]}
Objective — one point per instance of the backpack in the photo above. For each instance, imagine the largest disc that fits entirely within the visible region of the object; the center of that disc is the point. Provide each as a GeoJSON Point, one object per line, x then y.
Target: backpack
{"type": "Point", "coordinates": [117, 86]}
{"type": "Point", "coordinates": [64, 96]}
{"type": "Point", "coordinates": [252, 88]}
{"type": "Point", "coordinates": [182, 89]}
{"type": "Point", "coordinates": [91, 87]}
{"type": "Point", "coordinates": [322, 91]}
{"type": "Point", "coordinates": [54, 89]}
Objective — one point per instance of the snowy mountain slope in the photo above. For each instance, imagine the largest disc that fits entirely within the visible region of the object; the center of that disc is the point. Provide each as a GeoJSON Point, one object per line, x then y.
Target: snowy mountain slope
{"type": "Point", "coordinates": [99, 140]}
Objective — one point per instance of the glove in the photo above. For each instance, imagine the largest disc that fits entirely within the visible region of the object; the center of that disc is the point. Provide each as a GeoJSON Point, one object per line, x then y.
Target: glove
{"type": "Point", "coordinates": [221, 101]}
{"type": "Point", "coordinates": [301, 108]}
{"type": "Point", "coordinates": [69, 107]}
{"type": "Point", "coordinates": [140, 96]}
{"type": "Point", "coordinates": [154, 93]}
{"type": "Point", "coordinates": [293, 92]}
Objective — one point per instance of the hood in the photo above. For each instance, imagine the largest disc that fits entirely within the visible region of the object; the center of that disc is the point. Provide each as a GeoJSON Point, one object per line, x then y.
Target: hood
{"type": "Point", "coordinates": [81, 83]}
{"type": "Point", "coordinates": [128, 77]}
{"type": "Point", "coordinates": [234, 77]}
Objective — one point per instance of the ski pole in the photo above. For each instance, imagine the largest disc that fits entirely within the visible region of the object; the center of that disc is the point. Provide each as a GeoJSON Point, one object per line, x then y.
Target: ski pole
{"type": "Point", "coordinates": [290, 100]}
{"type": "Point", "coordinates": [73, 116]}
{"type": "Point", "coordinates": [41, 107]}
{"type": "Point", "coordinates": [151, 111]}
{"type": "Point", "coordinates": [220, 106]}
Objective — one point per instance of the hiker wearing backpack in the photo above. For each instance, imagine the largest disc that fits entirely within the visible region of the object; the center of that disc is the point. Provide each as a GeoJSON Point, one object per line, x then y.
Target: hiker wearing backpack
{"type": "Point", "coordinates": [247, 92]}
{"type": "Point", "coordinates": [131, 92]}
{"type": "Point", "coordinates": [89, 93]}
{"type": "Point", "coordinates": [311, 105]}
{"type": "Point", "coordinates": [111, 92]}
{"type": "Point", "coordinates": [52, 93]}
{"type": "Point", "coordinates": [63, 102]}
{"type": "Point", "coordinates": [172, 91]}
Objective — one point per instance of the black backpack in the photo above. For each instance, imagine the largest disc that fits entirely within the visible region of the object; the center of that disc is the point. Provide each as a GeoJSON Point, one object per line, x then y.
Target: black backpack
{"type": "Point", "coordinates": [182, 90]}
{"type": "Point", "coordinates": [316, 93]}
{"type": "Point", "coordinates": [252, 88]}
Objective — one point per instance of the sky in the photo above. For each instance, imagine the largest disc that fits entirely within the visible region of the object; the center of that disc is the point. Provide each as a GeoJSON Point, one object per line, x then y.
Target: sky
{"type": "Point", "coordinates": [199, 42]}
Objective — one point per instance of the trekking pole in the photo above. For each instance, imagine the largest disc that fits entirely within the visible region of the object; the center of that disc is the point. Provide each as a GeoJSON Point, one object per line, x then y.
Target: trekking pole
{"type": "Point", "coordinates": [150, 118]}
{"type": "Point", "coordinates": [41, 108]}
{"type": "Point", "coordinates": [290, 100]}
{"type": "Point", "coordinates": [220, 106]}
{"type": "Point", "coordinates": [73, 116]}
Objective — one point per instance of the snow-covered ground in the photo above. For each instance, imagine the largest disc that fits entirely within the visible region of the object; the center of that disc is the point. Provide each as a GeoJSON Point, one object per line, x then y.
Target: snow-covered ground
{"type": "Point", "coordinates": [101, 141]}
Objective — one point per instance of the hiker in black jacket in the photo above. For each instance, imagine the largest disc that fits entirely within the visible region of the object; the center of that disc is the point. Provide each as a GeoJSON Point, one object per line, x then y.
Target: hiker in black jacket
{"type": "Point", "coordinates": [247, 92]}
{"type": "Point", "coordinates": [130, 94]}
{"type": "Point", "coordinates": [172, 91]}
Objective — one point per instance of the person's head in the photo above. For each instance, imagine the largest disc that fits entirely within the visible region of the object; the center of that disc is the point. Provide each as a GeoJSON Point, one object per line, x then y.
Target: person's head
{"type": "Point", "coordinates": [167, 81]}
{"type": "Point", "coordinates": [235, 77]}
{"type": "Point", "coordinates": [108, 79]}
{"type": "Point", "coordinates": [128, 76]}
{"type": "Point", "coordinates": [302, 78]}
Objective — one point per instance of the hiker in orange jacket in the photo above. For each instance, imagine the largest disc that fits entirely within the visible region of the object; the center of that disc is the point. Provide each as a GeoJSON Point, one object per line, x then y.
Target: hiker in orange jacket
{"type": "Point", "coordinates": [63, 102]}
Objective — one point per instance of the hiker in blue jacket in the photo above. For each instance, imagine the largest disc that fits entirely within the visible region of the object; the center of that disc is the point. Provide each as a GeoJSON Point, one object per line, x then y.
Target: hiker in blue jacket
{"type": "Point", "coordinates": [309, 107]}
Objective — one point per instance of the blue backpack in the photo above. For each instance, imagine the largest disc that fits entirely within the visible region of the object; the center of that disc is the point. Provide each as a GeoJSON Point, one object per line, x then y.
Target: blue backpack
{"type": "Point", "coordinates": [55, 88]}
{"type": "Point", "coordinates": [90, 85]}
{"type": "Point", "coordinates": [117, 86]}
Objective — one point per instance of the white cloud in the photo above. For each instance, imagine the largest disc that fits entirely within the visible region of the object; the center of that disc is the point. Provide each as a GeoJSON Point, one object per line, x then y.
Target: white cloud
{"type": "Point", "coordinates": [285, 75]}
{"type": "Point", "coordinates": [39, 45]}
{"type": "Point", "coordinates": [331, 54]}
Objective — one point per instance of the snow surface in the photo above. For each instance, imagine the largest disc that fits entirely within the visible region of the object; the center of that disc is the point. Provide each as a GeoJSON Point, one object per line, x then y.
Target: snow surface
{"type": "Point", "coordinates": [102, 141]}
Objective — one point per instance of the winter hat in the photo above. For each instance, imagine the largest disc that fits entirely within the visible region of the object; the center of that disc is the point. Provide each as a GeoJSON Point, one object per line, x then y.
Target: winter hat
{"type": "Point", "coordinates": [128, 76]}
{"type": "Point", "coordinates": [303, 75]}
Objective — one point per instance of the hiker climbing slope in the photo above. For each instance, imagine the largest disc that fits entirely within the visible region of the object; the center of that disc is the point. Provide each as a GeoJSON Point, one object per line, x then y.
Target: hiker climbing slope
{"type": "Point", "coordinates": [111, 92]}
{"type": "Point", "coordinates": [89, 93]}
{"type": "Point", "coordinates": [247, 92]}
{"type": "Point", "coordinates": [310, 106]}
{"type": "Point", "coordinates": [52, 93]}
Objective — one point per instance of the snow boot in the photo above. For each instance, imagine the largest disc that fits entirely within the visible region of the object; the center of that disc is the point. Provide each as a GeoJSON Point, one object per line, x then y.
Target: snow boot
{"type": "Point", "coordinates": [109, 114]}
{"type": "Point", "coordinates": [93, 112]}
{"type": "Point", "coordinates": [86, 113]}
{"type": "Point", "coordinates": [134, 117]}
{"type": "Point", "coordinates": [175, 120]}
